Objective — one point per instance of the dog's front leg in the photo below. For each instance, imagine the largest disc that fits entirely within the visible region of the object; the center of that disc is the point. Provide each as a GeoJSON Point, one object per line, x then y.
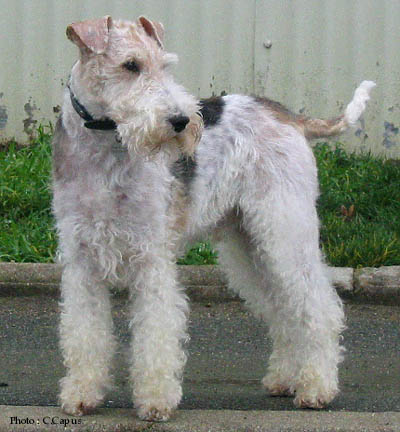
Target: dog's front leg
{"type": "Point", "coordinates": [158, 324]}
{"type": "Point", "coordinates": [87, 341]}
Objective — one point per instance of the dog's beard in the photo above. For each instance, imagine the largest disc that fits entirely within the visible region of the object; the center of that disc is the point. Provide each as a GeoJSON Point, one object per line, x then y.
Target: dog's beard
{"type": "Point", "coordinates": [148, 140]}
{"type": "Point", "coordinates": [188, 139]}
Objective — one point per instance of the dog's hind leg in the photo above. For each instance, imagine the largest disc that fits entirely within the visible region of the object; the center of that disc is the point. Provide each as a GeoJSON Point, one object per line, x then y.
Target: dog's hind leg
{"type": "Point", "coordinates": [236, 261]}
{"type": "Point", "coordinates": [307, 315]}
{"type": "Point", "coordinates": [239, 261]}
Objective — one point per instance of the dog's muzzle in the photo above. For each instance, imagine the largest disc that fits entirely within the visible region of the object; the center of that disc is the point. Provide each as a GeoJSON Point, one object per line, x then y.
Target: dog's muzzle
{"type": "Point", "coordinates": [179, 122]}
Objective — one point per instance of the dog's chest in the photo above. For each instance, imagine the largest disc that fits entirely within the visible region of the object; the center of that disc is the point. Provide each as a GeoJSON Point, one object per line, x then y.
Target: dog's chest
{"type": "Point", "coordinates": [124, 194]}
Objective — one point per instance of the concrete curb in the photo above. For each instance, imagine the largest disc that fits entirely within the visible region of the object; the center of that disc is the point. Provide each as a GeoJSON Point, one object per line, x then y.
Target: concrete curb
{"type": "Point", "coordinates": [123, 420]}
{"type": "Point", "coordinates": [206, 283]}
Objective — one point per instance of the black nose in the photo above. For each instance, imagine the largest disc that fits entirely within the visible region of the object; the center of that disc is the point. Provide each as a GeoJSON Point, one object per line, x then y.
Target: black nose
{"type": "Point", "coordinates": [179, 122]}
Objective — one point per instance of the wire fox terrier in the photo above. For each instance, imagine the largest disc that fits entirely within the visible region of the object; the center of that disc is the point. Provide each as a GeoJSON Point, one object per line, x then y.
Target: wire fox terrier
{"type": "Point", "coordinates": [141, 167]}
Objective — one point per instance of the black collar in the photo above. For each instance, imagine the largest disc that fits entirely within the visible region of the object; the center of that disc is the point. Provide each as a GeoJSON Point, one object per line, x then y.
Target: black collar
{"type": "Point", "coordinates": [90, 122]}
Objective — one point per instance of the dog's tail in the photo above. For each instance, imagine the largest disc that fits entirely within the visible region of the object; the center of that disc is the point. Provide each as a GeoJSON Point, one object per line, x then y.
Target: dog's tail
{"type": "Point", "coordinates": [318, 128]}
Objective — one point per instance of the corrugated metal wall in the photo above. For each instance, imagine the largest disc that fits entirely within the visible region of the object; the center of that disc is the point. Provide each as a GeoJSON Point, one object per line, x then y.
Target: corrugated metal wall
{"type": "Point", "coordinates": [308, 54]}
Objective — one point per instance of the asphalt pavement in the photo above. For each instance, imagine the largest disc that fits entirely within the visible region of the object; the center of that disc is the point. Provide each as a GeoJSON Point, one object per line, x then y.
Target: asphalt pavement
{"type": "Point", "coordinates": [228, 352]}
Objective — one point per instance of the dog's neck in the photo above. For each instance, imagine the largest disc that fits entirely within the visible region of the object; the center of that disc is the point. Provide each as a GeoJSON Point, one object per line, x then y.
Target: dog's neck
{"type": "Point", "coordinates": [90, 109]}
{"type": "Point", "coordinates": [95, 127]}
{"type": "Point", "coordinates": [104, 123]}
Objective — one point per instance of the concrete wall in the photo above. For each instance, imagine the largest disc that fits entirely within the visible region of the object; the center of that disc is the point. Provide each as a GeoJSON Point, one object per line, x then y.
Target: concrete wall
{"type": "Point", "coordinates": [308, 54]}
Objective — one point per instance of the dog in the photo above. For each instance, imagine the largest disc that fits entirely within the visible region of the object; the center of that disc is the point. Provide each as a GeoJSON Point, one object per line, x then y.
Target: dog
{"type": "Point", "coordinates": [141, 168]}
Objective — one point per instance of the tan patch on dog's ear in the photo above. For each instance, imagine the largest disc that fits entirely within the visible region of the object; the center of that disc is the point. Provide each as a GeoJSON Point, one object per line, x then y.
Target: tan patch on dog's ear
{"type": "Point", "coordinates": [154, 29]}
{"type": "Point", "coordinates": [90, 35]}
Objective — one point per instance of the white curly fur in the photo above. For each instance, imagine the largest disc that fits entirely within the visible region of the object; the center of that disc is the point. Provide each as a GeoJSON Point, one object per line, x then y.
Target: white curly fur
{"type": "Point", "coordinates": [122, 215]}
{"type": "Point", "coordinates": [357, 106]}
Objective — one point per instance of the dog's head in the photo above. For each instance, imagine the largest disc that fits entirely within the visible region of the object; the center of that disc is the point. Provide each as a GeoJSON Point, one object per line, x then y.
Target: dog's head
{"type": "Point", "coordinates": [123, 73]}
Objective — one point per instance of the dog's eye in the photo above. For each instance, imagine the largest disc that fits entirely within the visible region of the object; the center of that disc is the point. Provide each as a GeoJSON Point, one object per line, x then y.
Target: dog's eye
{"type": "Point", "coordinates": [131, 66]}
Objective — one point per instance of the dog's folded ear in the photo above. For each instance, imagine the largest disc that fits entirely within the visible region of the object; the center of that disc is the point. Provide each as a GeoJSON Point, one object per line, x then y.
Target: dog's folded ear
{"type": "Point", "coordinates": [91, 36]}
{"type": "Point", "coordinates": [153, 29]}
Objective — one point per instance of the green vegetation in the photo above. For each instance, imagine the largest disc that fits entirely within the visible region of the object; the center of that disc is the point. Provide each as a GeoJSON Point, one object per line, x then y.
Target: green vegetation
{"type": "Point", "coordinates": [26, 223]}
{"type": "Point", "coordinates": [359, 207]}
{"type": "Point", "coordinates": [370, 234]}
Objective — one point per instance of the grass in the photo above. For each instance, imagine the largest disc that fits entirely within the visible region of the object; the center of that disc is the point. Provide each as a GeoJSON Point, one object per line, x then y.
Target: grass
{"type": "Point", "coordinates": [370, 236]}
{"type": "Point", "coordinates": [26, 223]}
{"type": "Point", "coordinates": [359, 207]}
{"type": "Point", "coordinates": [200, 254]}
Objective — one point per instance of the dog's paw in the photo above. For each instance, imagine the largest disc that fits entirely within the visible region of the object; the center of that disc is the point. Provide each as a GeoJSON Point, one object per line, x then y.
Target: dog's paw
{"type": "Point", "coordinates": [78, 397]}
{"type": "Point", "coordinates": [280, 391]}
{"type": "Point", "coordinates": [314, 399]}
{"type": "Point", "coordinates": [78, 408]}
{"type": "Point", "coordinates": [310, 402]}
{"type": "Point", "coordinates": [276, 386]}
{"type": "Point", "coordinates": [315, 394]}
{"type": "Point", "coordinates": [152, 414]}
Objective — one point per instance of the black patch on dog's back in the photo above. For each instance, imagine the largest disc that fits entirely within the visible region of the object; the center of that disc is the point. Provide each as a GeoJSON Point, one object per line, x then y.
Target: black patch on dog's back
{"type": "Point", "coordinates": [211, 110]}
